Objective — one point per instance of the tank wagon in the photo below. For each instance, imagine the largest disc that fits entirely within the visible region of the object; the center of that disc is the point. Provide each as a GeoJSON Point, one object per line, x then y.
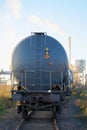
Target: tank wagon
{"type": "Point", "coordinates": [40, 68]}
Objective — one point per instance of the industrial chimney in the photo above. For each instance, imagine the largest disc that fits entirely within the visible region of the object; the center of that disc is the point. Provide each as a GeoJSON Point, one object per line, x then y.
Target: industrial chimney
{"type": "Point", "coordinates": [69, 49]}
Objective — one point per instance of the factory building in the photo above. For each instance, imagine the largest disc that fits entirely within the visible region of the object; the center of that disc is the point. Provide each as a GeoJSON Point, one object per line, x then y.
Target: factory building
{"type": "Point", "coordinates": [80, 70]}
{"type": "Point", "coordinates": [80, 66]}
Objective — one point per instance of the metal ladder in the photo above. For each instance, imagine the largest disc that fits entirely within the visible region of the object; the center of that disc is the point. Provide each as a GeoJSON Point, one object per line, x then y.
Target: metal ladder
{"type": "Point", "coordinates": [37, 42]}
{"type": "Point", "coordinates": [38, 59]}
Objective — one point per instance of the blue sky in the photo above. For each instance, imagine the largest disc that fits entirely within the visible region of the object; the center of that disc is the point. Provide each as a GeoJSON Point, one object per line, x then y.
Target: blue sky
{"type": "Point", "coordinates": [59, 18]}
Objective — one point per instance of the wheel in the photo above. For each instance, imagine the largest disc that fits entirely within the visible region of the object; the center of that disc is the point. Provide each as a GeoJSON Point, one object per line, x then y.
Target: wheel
{"type": "Point", "coordinates": [58, 109]}
{"type": "Point", "coordinates": [19, 109]}
{"type": "Point", "coordinates": [61, 96]}
{"type": "Point", "coordinates": [54, 109]}
{"type": "Point", "coordinates": [24, 112]}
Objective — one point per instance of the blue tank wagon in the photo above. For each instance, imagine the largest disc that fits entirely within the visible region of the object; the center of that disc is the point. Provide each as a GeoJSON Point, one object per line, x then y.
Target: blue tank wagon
{"type": "Point", "coordinates": [40, 67]}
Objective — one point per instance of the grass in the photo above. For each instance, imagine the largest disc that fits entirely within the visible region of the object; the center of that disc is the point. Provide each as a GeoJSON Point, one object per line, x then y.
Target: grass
{"type": "Point", "coordinates": [5, 96]}
{"type": "Point", "coordinates": [81, 103]}
{"type": "Point", "coordinates": [81, 99]}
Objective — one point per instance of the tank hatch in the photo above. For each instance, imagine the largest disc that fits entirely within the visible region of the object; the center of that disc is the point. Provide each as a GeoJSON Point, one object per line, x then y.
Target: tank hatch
{"type": "Point", "coordinates": [39, 33]}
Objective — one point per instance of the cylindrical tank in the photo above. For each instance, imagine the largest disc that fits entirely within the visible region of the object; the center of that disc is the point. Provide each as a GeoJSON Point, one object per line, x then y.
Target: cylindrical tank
{"type": "Point", "coordinates": [39, 61]}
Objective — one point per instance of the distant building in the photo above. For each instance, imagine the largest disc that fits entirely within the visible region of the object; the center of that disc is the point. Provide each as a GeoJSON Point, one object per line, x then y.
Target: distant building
{"type": "Point", "coordinates": [80, 66]}
{"type": "Point", "coordinates": [4, 77]}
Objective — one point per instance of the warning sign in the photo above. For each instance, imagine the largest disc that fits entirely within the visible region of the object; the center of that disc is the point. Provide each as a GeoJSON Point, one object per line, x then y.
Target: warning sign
{"type": "Point", "coordinates": [47, 53]}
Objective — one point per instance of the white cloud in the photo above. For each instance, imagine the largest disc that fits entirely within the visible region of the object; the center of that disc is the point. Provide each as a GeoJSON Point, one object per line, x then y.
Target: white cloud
{"type": "Point", "coordinates": [47, 23]}
{"type": "Point", "coordinates": [35, 19]}
{"type": "Point", "coordinates": [5, 18]}
{"type": "Point", "coordinates": [14, 7]}
{"type": "Point", "coordinates": [7, 42]}
{"type": "Point", "coordinates": [8, 31]}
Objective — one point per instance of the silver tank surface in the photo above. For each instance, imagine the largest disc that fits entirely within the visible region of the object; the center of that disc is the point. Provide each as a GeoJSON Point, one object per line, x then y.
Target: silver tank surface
{"type": "Point", "coordinates": [39, 61]}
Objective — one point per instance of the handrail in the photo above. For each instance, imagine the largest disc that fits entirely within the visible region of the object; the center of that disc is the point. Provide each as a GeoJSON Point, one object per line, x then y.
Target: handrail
{"type": "Point", "coordinates": [23, 78]}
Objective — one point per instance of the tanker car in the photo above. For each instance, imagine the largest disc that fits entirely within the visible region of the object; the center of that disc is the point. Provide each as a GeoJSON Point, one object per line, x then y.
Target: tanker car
{"type": "Point", "coordinates": [40, 68]}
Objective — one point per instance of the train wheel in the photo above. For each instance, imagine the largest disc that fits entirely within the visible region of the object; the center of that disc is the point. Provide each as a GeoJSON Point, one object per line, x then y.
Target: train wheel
{"type": "Point", "coordinates": [19, 109]}
{"type": "Point", "coordinates": [24, 112]}
{"type": "Point", "coordinates": [61, 96]}
{"type": "Point", "coordinates": [58, 109]}
{"type": "Point", "coordinates": [54, 109]}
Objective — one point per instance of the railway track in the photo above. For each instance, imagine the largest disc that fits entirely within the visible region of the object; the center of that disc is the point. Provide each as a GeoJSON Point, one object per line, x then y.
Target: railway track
{"type": "Point", "coordinates": [40, 120]}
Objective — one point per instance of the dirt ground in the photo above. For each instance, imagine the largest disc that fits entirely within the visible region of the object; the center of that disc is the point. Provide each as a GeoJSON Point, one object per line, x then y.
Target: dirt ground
{"type": "Point", "coordinates": [10, 120]}
{"type": "Point", "coordinates": [69, 119]}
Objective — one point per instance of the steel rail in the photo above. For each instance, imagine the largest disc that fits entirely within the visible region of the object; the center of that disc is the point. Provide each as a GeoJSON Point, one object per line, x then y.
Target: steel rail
{"type": "Point", "coordinates": [53, 122]}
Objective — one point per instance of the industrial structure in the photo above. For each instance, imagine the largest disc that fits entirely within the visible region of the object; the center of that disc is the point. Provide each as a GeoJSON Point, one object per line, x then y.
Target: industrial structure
{"type": "Point", "coordinates": [79, 68]}
{"type": "Point", "coordinates": [69, 49]}
{"type": "Point", "coordinates": [4, 77]}
{"type": "Point", "coordinates": [80, 71]}
{"type": "Point", "coordinates": [80, 65]}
